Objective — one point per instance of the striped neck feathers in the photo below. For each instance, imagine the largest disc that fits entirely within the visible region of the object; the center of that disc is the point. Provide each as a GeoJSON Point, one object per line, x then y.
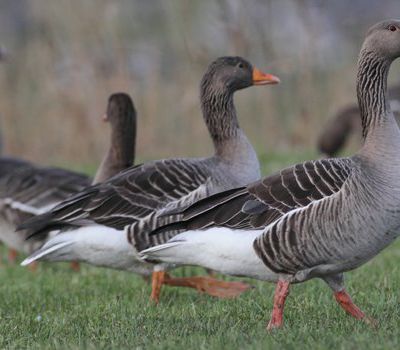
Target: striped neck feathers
{"type": "Point", "coordinates": [219, 113]}
{"type": "Point", "coordinates": [372, 91]}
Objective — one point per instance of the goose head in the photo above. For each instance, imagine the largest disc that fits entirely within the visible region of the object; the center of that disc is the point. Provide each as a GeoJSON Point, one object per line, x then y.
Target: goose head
{"type": "Point", "coordinates": [229, 74]}
{"type": "Point", "coordinates": [380, 48]}
{"type": "Point", "coordinates": [121, 115]}
{"type": "Point", "coordinates": [120, 110]}
{"type": "Point", "coordinates": [384, 39]}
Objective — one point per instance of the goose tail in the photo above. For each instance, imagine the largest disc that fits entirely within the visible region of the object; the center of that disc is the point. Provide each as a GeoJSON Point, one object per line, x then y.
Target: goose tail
{"type": "Point", "coordinates": [51, 250]}
{"type": "Point", "coordinates": [161, 252]}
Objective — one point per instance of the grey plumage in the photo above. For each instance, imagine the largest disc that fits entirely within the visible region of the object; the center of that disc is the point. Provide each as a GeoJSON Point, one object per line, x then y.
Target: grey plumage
{"type": "Point", "coordinates": [130, 196]}
{"type": "Point", "coordinates": [9, 164]}
{"type": "Point", "coordinates": [145, 191]}
{"type": "Point", "coordinates": [260, 203]}
{"type": "Point", "coordinates": [315, 219]}
{"type": "Point", "coordinates": [27, 191]}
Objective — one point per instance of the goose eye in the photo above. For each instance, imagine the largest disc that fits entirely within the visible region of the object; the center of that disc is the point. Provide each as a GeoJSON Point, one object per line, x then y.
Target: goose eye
{"type": "Point", "coordinates": [240, 65]}
{"type": "Point", "coordinates": [392, 28]}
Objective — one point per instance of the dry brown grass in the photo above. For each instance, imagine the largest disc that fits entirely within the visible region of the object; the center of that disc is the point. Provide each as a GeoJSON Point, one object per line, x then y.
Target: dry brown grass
{"type": "Point", "coordinates": [54, 87]}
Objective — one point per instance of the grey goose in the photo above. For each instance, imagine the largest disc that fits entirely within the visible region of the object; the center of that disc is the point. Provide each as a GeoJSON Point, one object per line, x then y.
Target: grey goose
{"type": "Point", "coordinates": [95, 224]}
{"type": "Point", "coordinates": [30, 191]}
{"type": "Point", "coordinates": [121, 114]}
{"type": "Point", "coordinates": [27, 190]}
{"type": "Point", "coordinates": [317, 219]}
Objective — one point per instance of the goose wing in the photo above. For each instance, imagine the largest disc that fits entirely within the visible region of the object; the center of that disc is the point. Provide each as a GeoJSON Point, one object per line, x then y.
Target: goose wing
{"type": "Point", "coordinates": [29, 190]}
{"type": "Point", "coordinates": [257, 205]}
{"type": "Point", "coordinates": [9, 164]}
{"type": "Point", "coordinates": [129, 196]}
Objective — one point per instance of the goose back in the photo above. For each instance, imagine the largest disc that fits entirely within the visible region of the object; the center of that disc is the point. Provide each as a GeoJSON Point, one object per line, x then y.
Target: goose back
{"type": "Point", "coordinates": [255, 206]}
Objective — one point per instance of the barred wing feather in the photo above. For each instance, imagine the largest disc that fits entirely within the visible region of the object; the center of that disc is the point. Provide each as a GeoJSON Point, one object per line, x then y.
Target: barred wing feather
{"type": "Point", "coordinates": [127, 197]}
{"type": "Point", "coordinates": [30, 190]}
{"type": "Point", "coordinates": [261, 203]}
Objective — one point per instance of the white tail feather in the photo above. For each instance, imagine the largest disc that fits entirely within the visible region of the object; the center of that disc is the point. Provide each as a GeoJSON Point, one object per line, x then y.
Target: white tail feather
{"type": "Point", "coordinates": [97, 245]}
{"type": "Point", "coordinates": [25, 208]}
{"type": "Point", "coordinates": [157, 251]}
{"type": "Point", "coordinates": [45, 250]}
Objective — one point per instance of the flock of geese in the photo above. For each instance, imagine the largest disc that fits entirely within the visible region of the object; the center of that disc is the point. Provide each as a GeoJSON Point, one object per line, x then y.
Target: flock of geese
{"type": "Point", "coordinates": [316, 219]}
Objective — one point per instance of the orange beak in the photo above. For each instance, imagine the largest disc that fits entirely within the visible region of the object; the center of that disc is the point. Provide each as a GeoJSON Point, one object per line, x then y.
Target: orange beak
{"type": "Point", "coordinates": [260, 78]}
{"type": "Point", "coordinates": [104, 118]}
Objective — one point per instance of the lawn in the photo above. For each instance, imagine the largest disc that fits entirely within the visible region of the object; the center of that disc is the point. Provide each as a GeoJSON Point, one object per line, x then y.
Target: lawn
{"type": "Point", "coordinates": [99, 308]}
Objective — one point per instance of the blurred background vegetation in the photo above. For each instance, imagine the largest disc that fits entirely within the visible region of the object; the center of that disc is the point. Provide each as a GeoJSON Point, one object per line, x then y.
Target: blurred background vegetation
{"type": "Point", "coordinates": [63, 58]}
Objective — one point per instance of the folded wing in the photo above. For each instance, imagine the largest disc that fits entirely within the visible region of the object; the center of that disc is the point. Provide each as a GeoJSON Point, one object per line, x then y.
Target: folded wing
{"type": "Point", "coordinates": [127, 197]}
{"type": "Point", "coordinates": [257, 205]}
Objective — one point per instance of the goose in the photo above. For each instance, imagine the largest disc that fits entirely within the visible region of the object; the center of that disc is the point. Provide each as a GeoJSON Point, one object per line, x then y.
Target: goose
{"type": "Point", "coordinates": [316, 219]}
{"type": "Point", "coordinates": [347, 121]}
{"type": "Point", "coordinates": [8, 165]}
{"type": "Point", "coordinates": [121, 114]}
{"type": "Point", "coordinates": [27, 190]}
{"type": "Point", "coordinates": [94, 224]}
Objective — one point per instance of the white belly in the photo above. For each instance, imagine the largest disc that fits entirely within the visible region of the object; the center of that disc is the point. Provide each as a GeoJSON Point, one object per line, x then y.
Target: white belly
{"type": "Point", "coordinates": [96, 245]}
{"type": "Point", "coordinates": [220, 249]}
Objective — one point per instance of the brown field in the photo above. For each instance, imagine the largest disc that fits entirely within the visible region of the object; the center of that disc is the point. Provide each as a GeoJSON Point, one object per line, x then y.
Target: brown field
{"type": "Point", "coordinates": [64, 58]}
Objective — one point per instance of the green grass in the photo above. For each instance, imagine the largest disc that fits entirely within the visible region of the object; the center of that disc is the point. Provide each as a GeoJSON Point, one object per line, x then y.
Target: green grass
{"type": "Point", "coordinates": [99, 308]}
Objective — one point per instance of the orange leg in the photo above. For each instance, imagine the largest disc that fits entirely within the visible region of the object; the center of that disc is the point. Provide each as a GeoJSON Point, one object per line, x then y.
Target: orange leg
{"type": "Point", "coordinates": [204, 284]}
{"type": "Point", "coordinates": [75, 266]}
{"type": "Point", "coordinates": [210, 285]}
{"type": "Point", "coordinates": [158, 278]}
{"type": "Point", "coordinates": [12, 256]}
{"type": "Point", "coordinates": [281, 293]}
{"type": "Point", "coordinates": [344, 300]}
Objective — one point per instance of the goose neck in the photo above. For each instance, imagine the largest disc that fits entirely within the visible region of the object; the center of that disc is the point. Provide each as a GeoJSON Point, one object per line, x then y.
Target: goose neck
{"type": "Point", "coordinates": [120, 154]}
{"type": "Point", "coordinates": [372, 91]}
{"type": "Point", "coordinates": [122, 147]}
{"type": "Point", "coordinates": [219, 114]}
{"type": "Point", "coordinates": [239, 157]}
